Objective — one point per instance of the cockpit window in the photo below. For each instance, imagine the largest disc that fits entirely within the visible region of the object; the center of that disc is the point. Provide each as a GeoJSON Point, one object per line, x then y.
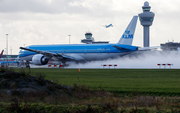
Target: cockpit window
{"type": "Point", "coordinates": [146, 9]}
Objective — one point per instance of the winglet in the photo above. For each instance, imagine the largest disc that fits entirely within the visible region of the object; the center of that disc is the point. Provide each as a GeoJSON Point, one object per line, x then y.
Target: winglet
{"type": "Point", "coordinates": [1, 54]}
{"type": "Point", "coordinates": [128, 35]}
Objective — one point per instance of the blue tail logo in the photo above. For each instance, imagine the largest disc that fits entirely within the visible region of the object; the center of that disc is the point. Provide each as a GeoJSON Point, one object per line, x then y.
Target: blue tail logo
{"type": "Point", "coordinates": [127, 35]}
{"type": "Point", "coordinates": [127, 32]}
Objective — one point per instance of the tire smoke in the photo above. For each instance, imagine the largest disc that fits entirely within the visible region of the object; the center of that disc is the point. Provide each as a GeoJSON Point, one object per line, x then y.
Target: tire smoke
{"type": "Point", "coordinates": [138, 60]}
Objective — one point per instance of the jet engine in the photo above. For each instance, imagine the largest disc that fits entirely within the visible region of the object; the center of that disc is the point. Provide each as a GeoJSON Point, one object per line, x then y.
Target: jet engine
{"type": "Point", "coordinates": [39, 59]}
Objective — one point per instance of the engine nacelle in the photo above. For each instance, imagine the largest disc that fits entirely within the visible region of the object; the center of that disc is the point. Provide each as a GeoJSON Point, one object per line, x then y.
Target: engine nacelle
{"type": "Point", "coordinates": [39, 59]}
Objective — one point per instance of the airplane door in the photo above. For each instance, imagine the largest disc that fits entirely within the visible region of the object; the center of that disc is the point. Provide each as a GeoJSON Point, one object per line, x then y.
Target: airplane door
{"type": "Point", "coordinates": [85, 50]}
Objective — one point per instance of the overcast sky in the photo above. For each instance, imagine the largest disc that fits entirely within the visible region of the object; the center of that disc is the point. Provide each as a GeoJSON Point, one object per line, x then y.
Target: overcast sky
{"type": "Point", "coordinates": [30, 22]}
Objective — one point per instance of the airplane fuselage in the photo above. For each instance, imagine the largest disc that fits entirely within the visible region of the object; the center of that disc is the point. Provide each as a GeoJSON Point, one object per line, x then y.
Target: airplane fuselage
{"type": "Point", "coordinates": [80, 52]}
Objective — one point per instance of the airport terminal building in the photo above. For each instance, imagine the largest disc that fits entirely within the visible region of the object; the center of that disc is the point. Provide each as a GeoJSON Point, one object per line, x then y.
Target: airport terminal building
{"type": "Point", "coordinates": [170, 46]}
{"type": "Point", "coordinates": [10, 56]}
{"type": "Point", "coordinates": [90, 40]}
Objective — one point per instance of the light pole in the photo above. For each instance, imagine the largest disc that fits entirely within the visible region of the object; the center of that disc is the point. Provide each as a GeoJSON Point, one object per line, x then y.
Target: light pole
{"type": "Point", "coordinates": [69, 38]}
{"type": "Point", "coordinates": [4, 50]}
{"type": "Point", "coordinates": [7, 44]}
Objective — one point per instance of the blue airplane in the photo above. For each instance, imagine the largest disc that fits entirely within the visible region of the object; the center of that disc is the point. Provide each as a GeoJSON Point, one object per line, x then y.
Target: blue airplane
{"type": "Point", "coordinates": [107, 26]}
{"type": "Point", "coordinates": [41, 54]}
{"type": "Point", "coordinates": [9, 62]}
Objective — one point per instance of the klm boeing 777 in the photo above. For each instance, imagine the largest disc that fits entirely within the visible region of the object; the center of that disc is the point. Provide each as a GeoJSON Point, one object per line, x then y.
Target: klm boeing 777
{"type": "Point", "coordinates": [41, 54]}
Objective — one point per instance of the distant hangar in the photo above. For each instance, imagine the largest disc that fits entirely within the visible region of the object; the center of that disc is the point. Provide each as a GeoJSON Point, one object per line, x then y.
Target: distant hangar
{"type": "Point", "coordinates": [170, 46]}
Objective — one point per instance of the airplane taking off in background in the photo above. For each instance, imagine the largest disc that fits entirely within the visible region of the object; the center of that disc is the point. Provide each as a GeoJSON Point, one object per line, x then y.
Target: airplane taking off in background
{"type": "Point", "coordinates": [41, 54]}
{"type": "Point", "coordinates": [107, 26]}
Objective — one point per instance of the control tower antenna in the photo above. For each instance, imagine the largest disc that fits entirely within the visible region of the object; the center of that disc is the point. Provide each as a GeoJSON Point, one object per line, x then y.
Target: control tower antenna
{"type": "Point", "coordinates": [146, 18]}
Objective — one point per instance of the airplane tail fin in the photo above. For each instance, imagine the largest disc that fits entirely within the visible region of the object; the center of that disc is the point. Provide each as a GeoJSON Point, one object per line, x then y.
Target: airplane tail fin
{"type": "Point", "coordinates": [128, 35]}
{"type": "Point", "coordinates": [1, 54]}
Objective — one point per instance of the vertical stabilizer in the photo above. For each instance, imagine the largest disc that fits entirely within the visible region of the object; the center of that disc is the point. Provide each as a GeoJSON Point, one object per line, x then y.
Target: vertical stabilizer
{"type": "Point", "coordinates": [1, 54]}
{"type": "Point", "coordinates": [128, 35]}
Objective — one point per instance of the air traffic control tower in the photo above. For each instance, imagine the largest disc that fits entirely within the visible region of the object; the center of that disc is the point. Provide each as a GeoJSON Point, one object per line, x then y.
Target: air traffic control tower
{"type": "Point", "coordinates": [146, 18]}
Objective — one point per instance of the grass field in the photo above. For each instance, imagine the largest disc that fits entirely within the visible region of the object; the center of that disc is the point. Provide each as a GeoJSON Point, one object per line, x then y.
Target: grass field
{"type": "Point", "coordinates": [133, 91]}
{"type": "Point", "coordinates": [148, 81]}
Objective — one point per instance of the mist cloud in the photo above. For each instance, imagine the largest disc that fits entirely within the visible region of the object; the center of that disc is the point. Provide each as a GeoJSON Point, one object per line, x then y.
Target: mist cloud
{"type": "Point", "coordinates": [147, 60]}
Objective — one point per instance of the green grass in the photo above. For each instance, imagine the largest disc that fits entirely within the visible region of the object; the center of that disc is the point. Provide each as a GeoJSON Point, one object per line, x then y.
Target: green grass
{"type": "Point", "coordinates": [130, 84]}
{"type": "Point", "coordinates": [152, 81]}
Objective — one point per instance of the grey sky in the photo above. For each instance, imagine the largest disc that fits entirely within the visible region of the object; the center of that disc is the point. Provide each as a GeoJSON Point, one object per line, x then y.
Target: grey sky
{"type": "Point", "coordinates": [51, 21]}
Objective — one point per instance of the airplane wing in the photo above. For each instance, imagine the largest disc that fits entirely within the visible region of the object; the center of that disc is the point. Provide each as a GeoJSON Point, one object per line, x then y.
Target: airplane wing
{"type": "Point", "coordinates": [136, 48]}
{"type": "Point", "coordinates": [148, 48]}
{"type": "Point", "coordinates": [48, 54]}
{"type": "Point", "coordinates": [45, 53]}
{"type": "Point", "coordinates": [120, 48]}
{"type": "Point", "coordinates": [125, 48]}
